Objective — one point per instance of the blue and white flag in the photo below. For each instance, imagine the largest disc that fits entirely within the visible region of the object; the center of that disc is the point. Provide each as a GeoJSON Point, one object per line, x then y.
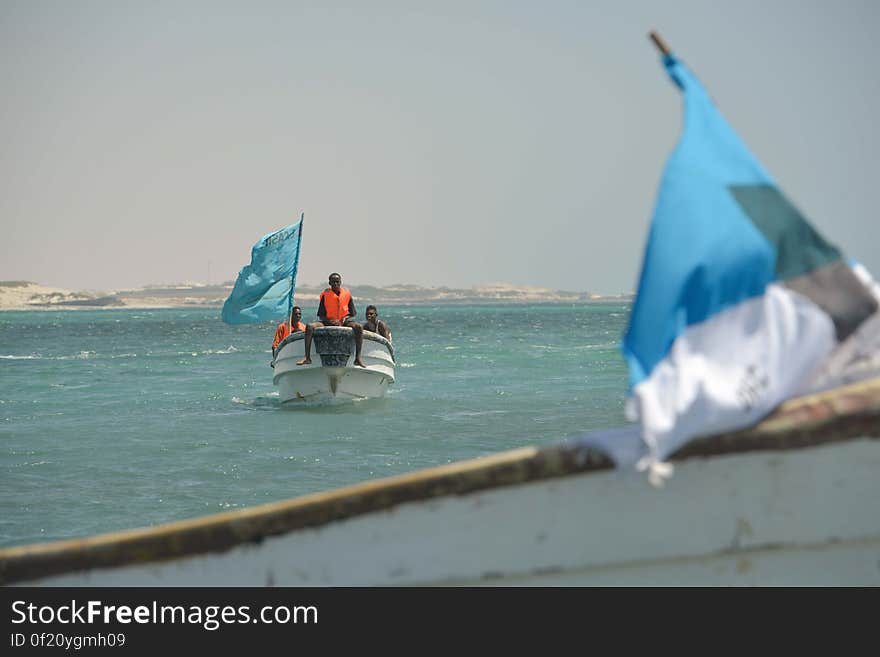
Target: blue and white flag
{"type": "Point", "coordinates": [739, 299]}
{"type": "Point", "coordinates": [264, 288]}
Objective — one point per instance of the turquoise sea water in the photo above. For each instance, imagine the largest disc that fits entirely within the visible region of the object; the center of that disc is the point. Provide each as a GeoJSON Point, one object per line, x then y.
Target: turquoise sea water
{"type": "Point", "coordinates": [114, 419]}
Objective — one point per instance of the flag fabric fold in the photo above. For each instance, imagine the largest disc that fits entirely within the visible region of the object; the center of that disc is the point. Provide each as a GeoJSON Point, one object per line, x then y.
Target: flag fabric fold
{"type": "Point", "coordinates": [264, 288]}
{"type": "Point", "coordinates": [739, 299]}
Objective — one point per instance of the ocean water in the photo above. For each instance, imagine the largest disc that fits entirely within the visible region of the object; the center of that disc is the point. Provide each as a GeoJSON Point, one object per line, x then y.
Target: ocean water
{"type": "Point", "coordinates": [115, 419]}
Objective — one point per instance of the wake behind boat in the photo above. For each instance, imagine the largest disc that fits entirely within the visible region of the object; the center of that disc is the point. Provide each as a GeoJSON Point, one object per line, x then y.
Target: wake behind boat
{"type": "Point", "coordinates": [332, 373]}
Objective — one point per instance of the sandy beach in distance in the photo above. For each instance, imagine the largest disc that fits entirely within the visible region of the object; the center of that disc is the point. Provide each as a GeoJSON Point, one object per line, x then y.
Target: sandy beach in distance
{"type": "Point", "coordinates": [26, 295]}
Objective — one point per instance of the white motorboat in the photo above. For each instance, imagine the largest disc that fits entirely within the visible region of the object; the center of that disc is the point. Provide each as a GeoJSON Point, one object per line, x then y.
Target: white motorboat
{"type": "Point", "coordinates": [332, 373]}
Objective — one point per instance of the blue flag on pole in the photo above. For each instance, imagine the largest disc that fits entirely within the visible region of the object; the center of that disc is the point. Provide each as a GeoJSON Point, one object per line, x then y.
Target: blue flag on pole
{"type": "Point", "coordinates": [264, 288]}
{"type": "Point", "coordinates": [739, 298]}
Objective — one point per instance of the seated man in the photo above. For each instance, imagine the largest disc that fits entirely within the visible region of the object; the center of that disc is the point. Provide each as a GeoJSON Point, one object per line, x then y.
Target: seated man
{"type": "Point", "coordinates": [336, 308]}
{"type": "Point", "coordinates": [376, 325]}
{"type": "Point", "coordinates": [286, 328]}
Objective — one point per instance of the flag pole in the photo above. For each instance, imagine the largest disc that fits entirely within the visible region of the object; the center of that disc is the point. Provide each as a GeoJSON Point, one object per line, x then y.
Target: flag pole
{"type": "Point", "coordinates": [660, 43]}
{"type": "Point", "coordinates": [302, 219]}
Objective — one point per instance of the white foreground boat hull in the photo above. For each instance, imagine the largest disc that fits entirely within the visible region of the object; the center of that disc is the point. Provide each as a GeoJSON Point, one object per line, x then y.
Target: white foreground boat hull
{"type": "Point", "coordinates": [793, 502]}
{"type": "Point", "coordinates": [332, 373]}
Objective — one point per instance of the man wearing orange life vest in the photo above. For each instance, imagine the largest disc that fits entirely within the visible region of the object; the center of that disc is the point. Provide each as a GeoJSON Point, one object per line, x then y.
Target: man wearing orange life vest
{"type": "Point", "coordinates": [286, 328]}
{"type": "Point", "coordinates": [336, 308]}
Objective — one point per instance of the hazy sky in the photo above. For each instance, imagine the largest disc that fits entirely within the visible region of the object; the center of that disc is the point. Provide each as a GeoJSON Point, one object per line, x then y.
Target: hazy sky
{"type": "Point", "coordinates": [436, 143]}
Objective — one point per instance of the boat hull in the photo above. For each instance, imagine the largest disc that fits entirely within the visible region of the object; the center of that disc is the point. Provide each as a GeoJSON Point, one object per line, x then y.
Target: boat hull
{"type": "Point", "coordinates": [332, 374]}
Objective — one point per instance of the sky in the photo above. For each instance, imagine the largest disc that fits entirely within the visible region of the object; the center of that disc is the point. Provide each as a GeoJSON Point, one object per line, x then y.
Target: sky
{"type": "Point", "coordinates": [440, 143]}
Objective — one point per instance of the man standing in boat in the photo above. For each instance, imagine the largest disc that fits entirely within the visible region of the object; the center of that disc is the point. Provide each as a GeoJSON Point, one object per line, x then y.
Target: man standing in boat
{"type": "Point", "coordinates": [286, 328]}
{"type": "Point", "coordinates": [335, 308]}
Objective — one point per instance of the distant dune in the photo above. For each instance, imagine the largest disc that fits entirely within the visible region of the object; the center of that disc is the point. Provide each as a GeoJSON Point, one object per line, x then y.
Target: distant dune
{"type": "Point", "coordinates": [25, 295]}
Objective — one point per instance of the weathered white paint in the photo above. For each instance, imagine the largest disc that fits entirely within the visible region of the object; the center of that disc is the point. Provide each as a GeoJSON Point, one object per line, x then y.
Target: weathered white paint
{"type": "Point", "coordinates": [799, 517]}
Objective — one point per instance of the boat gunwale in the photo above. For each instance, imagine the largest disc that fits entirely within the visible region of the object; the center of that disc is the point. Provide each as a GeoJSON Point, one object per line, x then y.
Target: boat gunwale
{"type": "Point", "coordinates": [838, 415]}
{"type": "Point", "coordinates": [368, 335]}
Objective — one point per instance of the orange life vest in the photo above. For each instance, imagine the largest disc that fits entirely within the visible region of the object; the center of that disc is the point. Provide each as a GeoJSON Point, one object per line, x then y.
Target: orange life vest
{"type": "Point", "coordinates": [283, 331]}
{"type": "Point", "coordinates": [336, 307]}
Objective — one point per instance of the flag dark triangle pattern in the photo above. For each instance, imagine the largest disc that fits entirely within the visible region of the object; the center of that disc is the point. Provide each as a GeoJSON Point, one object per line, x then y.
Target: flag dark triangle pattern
{"type": "Point", "coordinates": [805, 261]}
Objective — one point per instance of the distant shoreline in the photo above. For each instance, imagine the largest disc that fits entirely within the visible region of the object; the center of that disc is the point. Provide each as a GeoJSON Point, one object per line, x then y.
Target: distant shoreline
{"type": "Point", "coordinates": [26, 295]}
